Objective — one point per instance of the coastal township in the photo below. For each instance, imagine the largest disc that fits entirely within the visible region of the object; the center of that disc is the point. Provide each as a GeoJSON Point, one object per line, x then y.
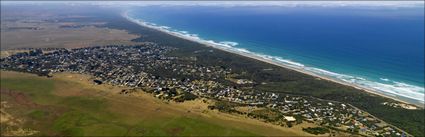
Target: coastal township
{"type": "Point", "coordinates": [90, 71]}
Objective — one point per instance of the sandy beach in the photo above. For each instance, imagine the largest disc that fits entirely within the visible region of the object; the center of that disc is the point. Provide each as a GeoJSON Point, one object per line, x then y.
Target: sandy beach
{"type": "Point", "coordinates": [372, 91]}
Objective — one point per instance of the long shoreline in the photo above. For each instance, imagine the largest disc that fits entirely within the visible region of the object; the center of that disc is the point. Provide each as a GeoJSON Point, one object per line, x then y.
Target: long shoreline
{"type": "Point", "coordinates": [372, 91]}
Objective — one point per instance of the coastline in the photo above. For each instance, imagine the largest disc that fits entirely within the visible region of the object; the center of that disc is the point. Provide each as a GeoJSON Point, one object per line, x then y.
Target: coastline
{"type": "Point", "coordinates": [270, 61]}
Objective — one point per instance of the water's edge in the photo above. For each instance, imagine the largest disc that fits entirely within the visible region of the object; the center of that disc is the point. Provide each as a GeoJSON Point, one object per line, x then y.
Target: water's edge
{"type": "Point", "coordinates": [398, 91]}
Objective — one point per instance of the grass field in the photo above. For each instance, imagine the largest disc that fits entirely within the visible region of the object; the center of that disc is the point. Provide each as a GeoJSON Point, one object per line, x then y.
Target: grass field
{"type": "Point", "coordinates": [68, 104]}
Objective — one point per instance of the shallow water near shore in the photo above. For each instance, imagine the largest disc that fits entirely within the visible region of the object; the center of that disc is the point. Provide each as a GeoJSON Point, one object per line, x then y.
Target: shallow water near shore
{"type": "Point", "coordinates": [376, 48]}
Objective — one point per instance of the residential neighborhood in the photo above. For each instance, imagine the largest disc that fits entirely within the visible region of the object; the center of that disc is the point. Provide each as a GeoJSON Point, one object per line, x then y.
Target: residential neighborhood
{"type": "Point", "coordinates": [153, 69]}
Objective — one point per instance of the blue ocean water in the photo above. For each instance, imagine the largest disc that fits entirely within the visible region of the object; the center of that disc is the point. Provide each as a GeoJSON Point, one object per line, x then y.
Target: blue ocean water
{"type": "Point", "coordinates": [380, 48]}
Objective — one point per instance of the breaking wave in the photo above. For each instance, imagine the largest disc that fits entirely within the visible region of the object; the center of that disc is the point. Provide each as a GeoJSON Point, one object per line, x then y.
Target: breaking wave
{"type": "Point", "coordinates": [230, 43]}
{"type": "Point", "coordinates": [384, 79]}
{"type": "Point", "coordinates": [390, 88]}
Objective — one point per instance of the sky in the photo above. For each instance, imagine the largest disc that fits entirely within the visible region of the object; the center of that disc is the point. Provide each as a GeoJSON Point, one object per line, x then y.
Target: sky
{"type": "Point", "coordinates": [389, 4]}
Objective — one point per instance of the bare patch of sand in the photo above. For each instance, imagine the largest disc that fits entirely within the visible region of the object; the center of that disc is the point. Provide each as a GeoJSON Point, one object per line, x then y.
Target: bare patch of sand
{"type": "Point", "coordinates": [12, 126]}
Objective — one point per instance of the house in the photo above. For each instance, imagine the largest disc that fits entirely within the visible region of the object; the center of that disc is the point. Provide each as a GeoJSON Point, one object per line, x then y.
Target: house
{"type": "Point", "coordinates": [289, 118]}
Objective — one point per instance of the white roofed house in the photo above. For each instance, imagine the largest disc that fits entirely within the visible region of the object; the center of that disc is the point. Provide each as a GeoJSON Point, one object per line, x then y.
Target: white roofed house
{"type": "Point", "coordinates": [289, 118]}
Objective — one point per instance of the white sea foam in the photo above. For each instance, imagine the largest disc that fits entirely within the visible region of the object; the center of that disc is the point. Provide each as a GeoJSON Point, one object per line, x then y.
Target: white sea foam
{"type": "Point", "coordinates": [391, 89]}
{"type": "Point", "coordinates": [384, 79]}
{"type": "Point", "coordinates": [184, 32]}
{"type": "Point", "coordinates": [230, 43]}
{"type": "Point", "coordinates": [164, 27]}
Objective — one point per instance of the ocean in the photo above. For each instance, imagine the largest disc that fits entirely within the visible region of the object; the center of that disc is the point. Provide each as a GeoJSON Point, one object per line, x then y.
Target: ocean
{"type": "Point", "coordinates": [380, 48]}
